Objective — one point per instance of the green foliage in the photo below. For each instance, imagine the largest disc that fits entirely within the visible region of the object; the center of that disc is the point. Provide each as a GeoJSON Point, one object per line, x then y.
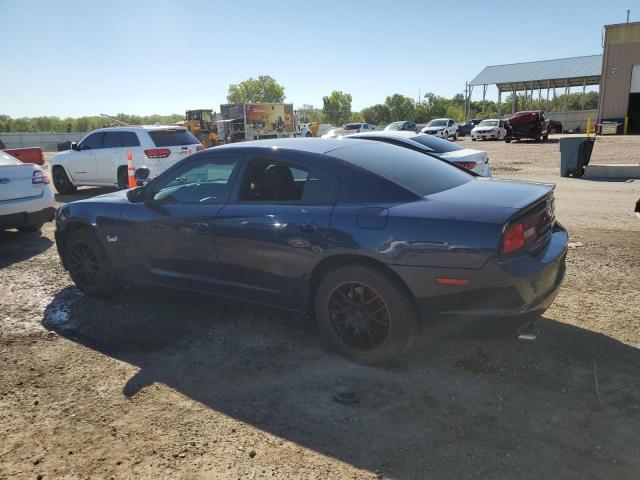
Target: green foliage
{"type": "Point", "coordinates": [400, 107]}
{"type": "Point", "coordinates": [308, 113]}
{"type": "Point", "coordinates": [263, 90]}
{"type": "Point", "coordinates": [337, 108]}
{"type": "Point", "coordinates": [80, 124]}
{"type": "Point", "coordinates": [376, 115]}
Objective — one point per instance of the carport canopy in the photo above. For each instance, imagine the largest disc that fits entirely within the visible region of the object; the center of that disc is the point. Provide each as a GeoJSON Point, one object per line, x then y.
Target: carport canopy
{"type": "Point", "coordinates": [544, 74]}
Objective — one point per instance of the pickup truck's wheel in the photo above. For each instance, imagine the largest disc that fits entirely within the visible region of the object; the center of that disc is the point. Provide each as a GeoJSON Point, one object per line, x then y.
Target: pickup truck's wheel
{"type": "Point", "coordinates": [123, 178]}
{"type": "Point", "coordinates": [61, 181]}
{"type": "Point", "coordinates": [365, 315]}
{"type": "Point", "coordinates": [88, 264]}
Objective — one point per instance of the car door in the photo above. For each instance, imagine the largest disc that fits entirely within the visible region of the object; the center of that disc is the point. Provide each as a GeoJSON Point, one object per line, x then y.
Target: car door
{"type": "Point", "coordinates": [108, 158]}
{"type": "Point", "coordinates": [82, 162]}
{"type": "Point", "coordinates": [273, 231]}
{"type": "Point", "coordinates": [173, 230]}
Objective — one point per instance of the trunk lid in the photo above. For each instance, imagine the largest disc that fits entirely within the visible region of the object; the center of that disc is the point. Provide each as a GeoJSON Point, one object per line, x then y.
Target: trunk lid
{"type": "Point", "coordinates": [16, 182]}
{"type": "Point", "coordinates": [172, 145]}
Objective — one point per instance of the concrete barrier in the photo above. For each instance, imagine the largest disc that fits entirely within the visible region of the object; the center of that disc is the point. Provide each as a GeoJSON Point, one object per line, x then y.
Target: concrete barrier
{"type": "Point", "coordinates": [612, 172]}
{"type": "Point", "coordinates": [46, 141]}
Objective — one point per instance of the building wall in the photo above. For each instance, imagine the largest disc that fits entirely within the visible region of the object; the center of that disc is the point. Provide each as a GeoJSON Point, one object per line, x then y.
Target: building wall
{"type": "Point", "coordinates": [621, 53]}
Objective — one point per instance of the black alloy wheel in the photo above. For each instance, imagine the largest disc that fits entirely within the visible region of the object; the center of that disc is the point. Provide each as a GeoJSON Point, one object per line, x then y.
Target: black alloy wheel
{"type": "Point", "coordinates": [61, 181]}
{"type": "Point", "coordinates": [86, 261]}
{"type": "Point", "coordinates": [359, 316]}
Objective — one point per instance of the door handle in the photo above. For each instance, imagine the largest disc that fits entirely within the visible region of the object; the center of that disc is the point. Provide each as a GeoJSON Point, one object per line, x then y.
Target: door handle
{"type": "Point", "coordinates": [307, 227]}
{"type": "Point", "coordinates": [202, 227]}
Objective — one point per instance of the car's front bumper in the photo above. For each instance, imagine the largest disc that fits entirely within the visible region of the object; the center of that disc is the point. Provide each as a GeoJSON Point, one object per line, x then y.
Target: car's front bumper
{"type": "Point", "coordinates": [439, 133]}
{"type": "Point", "coordinates": [518, 287]}
{"type": "Point", "coordinates": [484, 135]}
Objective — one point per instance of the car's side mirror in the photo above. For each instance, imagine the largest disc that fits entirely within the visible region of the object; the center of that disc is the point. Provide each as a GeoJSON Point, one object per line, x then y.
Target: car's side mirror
{"type": "Point", "coordinates": [142, 175]}
{"type": "Point", "coordinates": [74, 146]}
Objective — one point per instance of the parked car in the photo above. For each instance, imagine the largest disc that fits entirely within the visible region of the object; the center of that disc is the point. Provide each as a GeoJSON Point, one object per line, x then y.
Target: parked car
{"type": "Point", "coordinates": [464, 129]}
{"type": "Point", "coordinates": [33, 155]}
{"type": "Point", "coordinates": [370, 239]}
{"type": "Point", "coordinates": [333, 133]}
{"type": "Point", "coordinates": [357, 128]}
{"type": "Point", "coordinates": [100, 159]}
{"type": "Point", "coordinates": [442, 127]}
{"type": "Point", "coordinates": [26, 198]}
{"type": "Point", "coordinates": [491, 129]}
{"type": "Point", "coordinates": [554, 126]}
{"type": "Point", "coordinates": [398, 126]}
{"type": "Point", "coordinates": [475, 160]}
{"type": "Point", "coordinates": [529, 124]}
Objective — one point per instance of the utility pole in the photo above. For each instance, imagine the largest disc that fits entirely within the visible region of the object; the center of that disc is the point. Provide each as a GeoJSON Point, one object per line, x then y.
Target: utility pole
{"type": "Point", "coordinates": [628, 12]}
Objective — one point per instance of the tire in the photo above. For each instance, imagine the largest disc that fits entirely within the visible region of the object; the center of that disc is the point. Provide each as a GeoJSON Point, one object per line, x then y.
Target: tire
{"type": "Point", "coordinates": [507, 139]}
{"type": "Point", "coordinates": [473, 139]}
{"type": "Point", "coordinates": [308, 134]}
{"type": "Point", "coordinates": [123, 178]}
{"type": "Point", "coordinates": [88, 264]}
{"type": "Point", "coordinates": [455, 136]}
{"type": "Point", "coordinates": [349, 298]}
{"type": "Point", "coordinates": [33, 227]}
{"type": "Point", "coordinates": [61, 181]}
{"type": "Point", "coordinates": [545, 138]}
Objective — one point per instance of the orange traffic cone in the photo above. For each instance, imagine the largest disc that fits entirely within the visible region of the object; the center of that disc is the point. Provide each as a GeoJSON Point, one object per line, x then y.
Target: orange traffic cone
{"type": "Point", "coordinates": [131, 170]}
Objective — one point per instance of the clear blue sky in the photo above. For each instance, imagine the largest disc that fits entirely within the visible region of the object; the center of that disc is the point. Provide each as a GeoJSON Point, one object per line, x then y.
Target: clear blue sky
{"type": "Point", "coordinates": [73, 58]}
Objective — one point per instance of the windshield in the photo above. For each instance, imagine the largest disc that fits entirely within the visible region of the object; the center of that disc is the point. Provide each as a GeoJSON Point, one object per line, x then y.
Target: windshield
{"type": "Point", "coordinates": [437, 123]}
{"type": "Point", "coordinates": [488, 123]}
{"type": "Point", "coordinates": [394, 126]}
{"type": "Point", "coordinates": [352, 126]}
{"type": "Point", "coordinates": [413, 170]}
{"type": "Point", "coordinates": [172, 138]}
{"type": "Point", "coordinates": [438, 145]}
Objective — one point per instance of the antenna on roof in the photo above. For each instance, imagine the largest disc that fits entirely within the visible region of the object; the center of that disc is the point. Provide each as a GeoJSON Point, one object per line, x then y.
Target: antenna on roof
{"type": "Point", "coordinates": [114, 119]}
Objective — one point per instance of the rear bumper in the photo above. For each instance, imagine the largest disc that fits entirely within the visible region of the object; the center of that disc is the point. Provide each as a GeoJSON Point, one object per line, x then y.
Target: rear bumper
{"type": "Point", "coordinates": [518, 287]}
{"type": "Point", "coordinates": [22, 219]}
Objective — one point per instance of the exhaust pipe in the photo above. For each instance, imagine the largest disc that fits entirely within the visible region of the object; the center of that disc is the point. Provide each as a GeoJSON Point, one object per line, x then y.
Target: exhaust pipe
{"type": "Point", "coordinates": [528, 333]}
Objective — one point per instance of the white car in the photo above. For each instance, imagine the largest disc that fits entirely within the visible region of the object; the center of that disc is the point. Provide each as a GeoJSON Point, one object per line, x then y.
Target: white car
{"type": "Point", "coordinates": [357, 128]}
{"type": "Point", "coordinates": [442, 127]}
{"type": "Point", "coordinates": [100, 158]}
{"type": "Point", "coordinates": [333, 133]}
{"type": "Point", "coordinates": [475, 160]}
{"type": "Point", "coordinates": [491, 129]}
{"type": "Point", "coordinates": [26, 198]}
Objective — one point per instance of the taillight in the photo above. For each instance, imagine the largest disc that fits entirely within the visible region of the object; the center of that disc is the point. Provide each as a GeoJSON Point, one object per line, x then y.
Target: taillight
{"type": "Point", "coordinates": [513, 238]}
{"type": "Point", "coordinates": [157, 153]}
{"type": "Point", "coordinates": [199, 148]}
{"type": "Point", "coordinates": [39, 178]}
{"type": "Point", "coordinates": [467, 165]}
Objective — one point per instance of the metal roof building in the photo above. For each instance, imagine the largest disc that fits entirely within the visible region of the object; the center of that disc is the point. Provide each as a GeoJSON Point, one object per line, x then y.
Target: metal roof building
{"type": "Point", "coordinates": [545, 74]}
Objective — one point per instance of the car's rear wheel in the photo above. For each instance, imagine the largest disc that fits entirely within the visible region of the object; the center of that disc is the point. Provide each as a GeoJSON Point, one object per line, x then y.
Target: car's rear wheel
{"type": "Point", "coordinates": [364, 315]}
{"type": "Point", "coordinates": [123, 178]}
{"type": "Point", "coordinates": [88, 264]}
{"type": "Point", "coordinates": [61, 181]}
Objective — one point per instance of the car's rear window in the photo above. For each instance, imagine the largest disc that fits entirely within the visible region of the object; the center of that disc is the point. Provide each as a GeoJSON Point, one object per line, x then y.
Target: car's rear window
{"type": "Point", "coordinates": [352, 126]}
{"type": "Point", "coordinates": [415, 171]}
{"type": "Point", "coordinates": [172, 138]}
{"type": "Point", "coordinates": [438, 145]}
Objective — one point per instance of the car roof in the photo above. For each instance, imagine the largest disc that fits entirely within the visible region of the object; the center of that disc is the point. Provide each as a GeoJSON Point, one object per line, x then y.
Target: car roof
{"type": "Point", "coordinates": [135, 128]}
{"type": "Point", "coordinates": [310, 145]}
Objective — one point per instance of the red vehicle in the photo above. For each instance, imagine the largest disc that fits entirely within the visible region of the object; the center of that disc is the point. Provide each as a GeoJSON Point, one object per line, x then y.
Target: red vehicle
{"type": "Point", "coordinates": [27, 155]}
{"type": "Point", "coordinates": [530, 124]}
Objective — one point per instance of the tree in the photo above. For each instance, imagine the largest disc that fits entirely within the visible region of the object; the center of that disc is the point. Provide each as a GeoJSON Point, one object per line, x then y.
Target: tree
{"type": "Point", "coordinates": [377, 114]}
{"type": "Point", "coordinates": [263, 90]}
{"type": "Point", "coordinates": [400, 107]}
{"type": "Point", "coordinates": [337, 108]}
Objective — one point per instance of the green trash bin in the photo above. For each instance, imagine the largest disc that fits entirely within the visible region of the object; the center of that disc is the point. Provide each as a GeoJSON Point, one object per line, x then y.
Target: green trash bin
{"type": "Point", "coordinates": [575, 153]}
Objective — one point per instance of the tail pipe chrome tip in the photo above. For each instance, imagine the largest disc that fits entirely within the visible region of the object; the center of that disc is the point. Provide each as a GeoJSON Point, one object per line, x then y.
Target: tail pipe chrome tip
{"type": "Point", "coordinates": [528, 333]}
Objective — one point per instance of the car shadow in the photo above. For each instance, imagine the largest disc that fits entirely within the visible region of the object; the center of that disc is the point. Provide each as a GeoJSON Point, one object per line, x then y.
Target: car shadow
{"type": "Point", "coordinates": [450, 406]}
{"type": "Point", "coordinates": [16, 246]}
{"type": "Point", "coordinates": [82, 193]}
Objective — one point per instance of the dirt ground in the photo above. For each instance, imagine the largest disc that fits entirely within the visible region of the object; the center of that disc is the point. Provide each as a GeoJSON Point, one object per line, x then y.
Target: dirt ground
{"type": "Point", "coordinates": [171, 385]}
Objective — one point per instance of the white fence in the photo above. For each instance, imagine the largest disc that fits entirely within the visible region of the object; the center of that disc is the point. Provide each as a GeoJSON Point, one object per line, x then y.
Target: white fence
{"type": "Point", "coordinates": [575, 120]}
{"type": "Point", "coordinates": [44, 140]}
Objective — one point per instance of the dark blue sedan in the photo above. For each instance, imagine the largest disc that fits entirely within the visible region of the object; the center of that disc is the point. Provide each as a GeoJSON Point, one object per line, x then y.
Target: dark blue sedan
{"type": "Point", "coordinates": [371, 239]}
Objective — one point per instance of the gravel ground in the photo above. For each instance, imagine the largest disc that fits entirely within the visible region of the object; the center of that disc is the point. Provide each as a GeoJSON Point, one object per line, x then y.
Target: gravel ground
{"type": "Point", "coordinates": [173, 385]}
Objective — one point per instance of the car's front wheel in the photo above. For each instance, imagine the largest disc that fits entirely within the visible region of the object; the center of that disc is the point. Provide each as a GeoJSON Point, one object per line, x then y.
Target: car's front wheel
{"type": "Point", "coordinates": [365, 316]}
{"type": "Point", "coordinates": [88, 263]}
{"type": "Point", "coordinates": [61, 181]}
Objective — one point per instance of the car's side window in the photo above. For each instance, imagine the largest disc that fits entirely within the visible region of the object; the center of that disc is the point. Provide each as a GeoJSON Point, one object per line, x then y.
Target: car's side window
{"type": "Point", "coordinates": [130, 139]}
{"type": "Point", "coordinates": [92, 142]}
{"type": "Point", "coordinates": [201, 182]}
{"type": "Point", "coordinates": [266, 181]}
{"type": "Point", "coordinates": [112, 140]}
